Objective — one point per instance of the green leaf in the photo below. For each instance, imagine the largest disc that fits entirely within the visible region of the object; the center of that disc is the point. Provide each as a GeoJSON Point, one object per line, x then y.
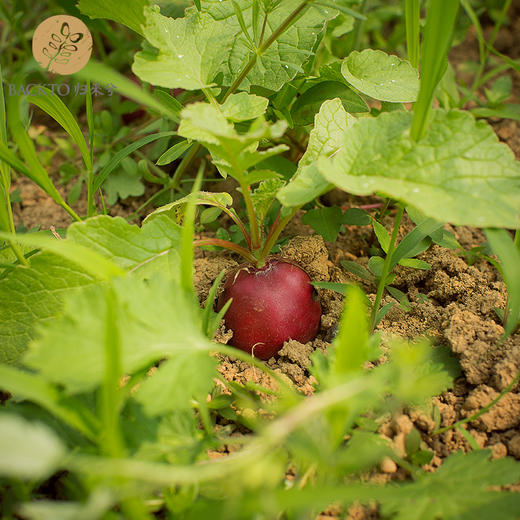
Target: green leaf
{"type": "Point", "coordinates": [54, 106]}
{"type": "Point", "coordinates": [471, 179]}
{"type": "Point", "coordinates": [459, 490]}
{"type": "Point", "coordinates": [382, 235]}
{"type": "Point", "coordinates": [152, 248]}
{"type": "Point", "coordinates": [351, 344]}
{"type": "Point", "coordinates": [28, 450]}
{"type": "Point", "coordinates": [325, 139]}
{"type": "Point", "coordinates": [408, 245]}
{"type": "Point", "coordinates": [375, 264]}
{"type": "Point", "coordinates": [186, 375]}
{"type": "Point", "coordinates": [415, 263]}
{"type": "Point", "coordinates": [155, 319]}
{"type": "Point", "coordinates": [129, 12]}
{"type": "Point", "coordinates": [280, 63]}
{"type": "Point", "coordinates": [120, 185]}
{"type": "Point", "coordinates": [191, 50]}
{"type": "Point", "coordinates": [325, 221]}
{"type": "Point", "coordinates": [356, 217]}
{"type": "Point", "coordinates": [234, 153]}
{"type": "Point", "coordinates": [309, 103]}
{"type": "Point", "coordinates": [358, 270]}
{"type": "Point", "coordinates": [173, 153]}
{"type": "Point", "coordinates": [50, 278]}
{"type": "Point", "coordinates": [243, 107]}
{"type": "Point", "coordinates": [143, 251]}
{"type": "Point", "coordinates": [204, 198]}
{"type": "Point", "coordinates": [264, 195]}
{"type": "Point", "coordinates": [509, 256]}
{"type": "Point", "coordinates": [381, 76]}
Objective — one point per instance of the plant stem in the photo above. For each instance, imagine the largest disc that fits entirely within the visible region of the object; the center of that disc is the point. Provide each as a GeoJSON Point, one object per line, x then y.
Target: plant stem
{"type": "Point", "coordinates": [517, 239]}
{"type": "Point", "coordinates": [226, 244]}
{"type": "Point", "coordinates": [251, 215]}
{"type": "Point", "coordinates": [90, 172]}
{"type": "Point", "coordinates": [359, 24]}
{"type": "Point", "coordinates": [483, 410]}
{"type": "Point", "coordinates": [386, 267]}
{"type": "Point", "coordinates": [494, 34]}
{"type": "Point", "coordinates": [277, 227]}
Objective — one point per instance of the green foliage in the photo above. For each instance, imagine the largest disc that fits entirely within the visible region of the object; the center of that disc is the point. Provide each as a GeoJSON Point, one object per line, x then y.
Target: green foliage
{"type": "Point", "coordinates": [129, 13]}
{"type": "Point", "coordinates": [381, 76]}
{"type": "Point", "coordinates": [478, 189]}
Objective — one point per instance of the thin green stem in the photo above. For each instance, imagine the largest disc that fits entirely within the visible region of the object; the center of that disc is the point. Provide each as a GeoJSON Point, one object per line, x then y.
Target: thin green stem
{"type": "Point", "coordinates": [386, 267]}
{"type": "Point", "coordinates": [483, 410]}
{"type": "Point", "coordinates": [359, 25]}
{"type": "Point", "coordinates": [90, 172]}
{"type": "Point", "coordinates": [226, 244]}
{"type": "Point", "coordinates": [277, 227]}
{"type": "Point", "coordinates": [70, 211]}
{"type": "Point", "coordinates": [496, 28]}
{"type": "Point", "coordinates": [251, 215]}
{"type": "Point", "coordinates": [517, 239]}
{"type": "Point", "coordinates": [183, 166]}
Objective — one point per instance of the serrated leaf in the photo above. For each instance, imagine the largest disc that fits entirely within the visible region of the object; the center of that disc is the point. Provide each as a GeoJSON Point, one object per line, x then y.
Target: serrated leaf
{"type": "Point", "coordinates": [325, 139]}
{"type": "Point", "coordinates": [308, 104]}
{"type": "Point", "coordinates": [129, 12]}
{"type": "Point", "coordinates": [458, 490]}
{"type": "Point", "coordinates": [28, 450]}
{"type": "Point", "coordinates": [381, 76]}
{"type": "Point", "coordinates": [280, 63]}
{"type": "Point", "coordinates": [325, 221]}
{"type": "Point", "coordinates": [137, 250]}
{"type": "Point", "coordinates": [184, 376]}
{"type": "Point", "coordinates": [191, 50]}
{"type": "Point", "coordinates": [243, 107]}
{"type": "Point", "coordinates": [204, 198]}
{"type": "Point", "coordinates": [34, 294]}
{"type": "Point", "coordinates": [458, 172]}
{"type": "Point", "coordinates": [154, 319]}
{"type": "Point", "coordinates": [233, 153]}
{"type": "Point", "coordinates": [264, 195]}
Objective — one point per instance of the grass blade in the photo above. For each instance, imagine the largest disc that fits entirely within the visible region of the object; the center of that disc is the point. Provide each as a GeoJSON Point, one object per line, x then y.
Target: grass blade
{"type": "Point", "coordinates": [34, 170]}
{"type": "Point", "coordinates": [503, 246]}
{"type": "Point", "coordinates": [125, 152]}
{"type": "Point", "coordinates": [413, 18]}
{"type": "Point", "coordinates": [52, 105]}
{"type": "Point", "coordinates": [438, 32]}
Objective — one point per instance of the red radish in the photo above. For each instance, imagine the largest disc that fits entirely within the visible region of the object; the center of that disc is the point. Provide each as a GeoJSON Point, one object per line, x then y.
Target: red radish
{"type": "Point", "coordinates": [271, 305]}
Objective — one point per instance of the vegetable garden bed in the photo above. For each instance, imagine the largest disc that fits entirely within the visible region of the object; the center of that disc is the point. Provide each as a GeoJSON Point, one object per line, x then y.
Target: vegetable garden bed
{"type": "Point", "coordinates": [330, 141]}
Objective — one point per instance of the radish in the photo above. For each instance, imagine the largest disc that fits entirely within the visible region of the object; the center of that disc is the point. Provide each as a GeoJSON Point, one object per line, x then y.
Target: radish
{"type": "Point", "coordinates": [270, 305]}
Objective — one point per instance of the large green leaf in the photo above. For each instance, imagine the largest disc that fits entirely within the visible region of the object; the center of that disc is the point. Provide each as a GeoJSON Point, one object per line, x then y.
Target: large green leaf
{"type": "Point", "coordinates": [129, 12]}
{"type": "Point", "coordinates": [243, 107]}
{"type": "Point", "coordinates": [459, 490]}
{"type": "Point", "coordinates": [28, 450]}
{"type": "Point", "coordinates": [381, 76]}
{"type": "Point", "coordinates": [154, 247]}
{"type": "Point", "coordinates": [191, 50]}
{"type": "Point", "coordinates": [458, 173]}
{"type": "Point", "coordinates": [34, 294]}
{"type": "Point", "coordinates": [153, 319]}
{"type": "Point", "coordinates": [325, 139]}
{"type": "Point", "coordinates": [281, 62]}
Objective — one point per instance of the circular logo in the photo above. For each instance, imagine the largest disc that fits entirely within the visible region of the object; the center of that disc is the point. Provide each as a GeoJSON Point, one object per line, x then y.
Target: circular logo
{"type": "Point", "coordinates": [62, 44]}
